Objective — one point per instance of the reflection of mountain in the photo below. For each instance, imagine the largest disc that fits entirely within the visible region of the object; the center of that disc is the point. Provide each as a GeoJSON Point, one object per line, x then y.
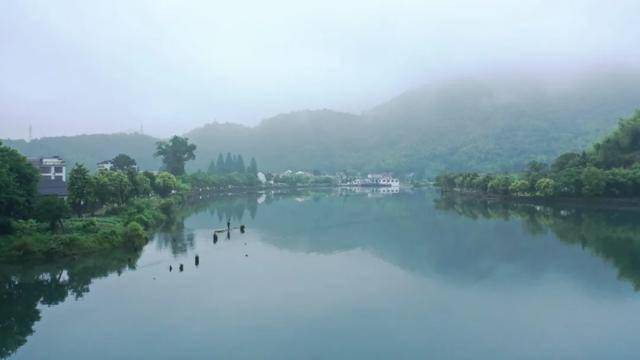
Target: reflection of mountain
{"type": "Point", "coordinates": [407, 230]}
{"type": "Point", "coordinates": [26, 286]}
{"type": "Point", "coordinates": [609, 234]}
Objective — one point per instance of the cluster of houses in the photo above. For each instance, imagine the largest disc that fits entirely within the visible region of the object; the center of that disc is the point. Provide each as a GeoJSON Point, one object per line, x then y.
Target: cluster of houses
{"type": "Point", "coordinates": [374, 180]}
{"type": "Point", "coordinates": [53, 174]}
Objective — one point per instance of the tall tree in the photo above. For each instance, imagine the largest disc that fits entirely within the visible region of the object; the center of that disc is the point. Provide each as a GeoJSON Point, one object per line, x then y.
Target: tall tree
{"type": "Point", "coordinates": [228, 164]}
{"type": "Point", "coordinates": [120, 187]}
{"type": "Point", "coordinates": [52, 210]}
{"type": "Point", "coordinates": [212, 168]}
{"type": "Point", "coordinates": [220, 164]}
{"type": "Point", "coordinates": [123, 162]}
{"type": "Point", "coordinates": [253, 167]}
{"type": "Point", "coordinates": [18, 184]}
{"type": "Point", "coordinates": [240, 164]}
{"type": "Point", "coordinates": [81, 187]}
{"type": "Point", "coordinates": [165, 184]}
{"type": "Point", "coordinates": [175, 153]}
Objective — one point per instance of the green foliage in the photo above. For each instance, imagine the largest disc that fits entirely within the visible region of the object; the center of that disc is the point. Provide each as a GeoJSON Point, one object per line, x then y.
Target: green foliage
{"type": "Point", "coordinates": [519, 187]}
{"type": "Point", "coordinates": [134, 235]}
{"type": "Point", "coordinates": [622, 147]}
{"type": "Point", "coordinates": [142, 185]}
{"type": "Point", "coordinates": [18, 181]}
{"type": "Point", "coordinates": [201, 180]}
{"type": "Point", "coordinates": [253, 167]}
{"type": "Point", "coordinates": [52, 210]}
{"type": "Point", "coordinates": [545, 187]}
{"type": "Point", "coordinates": [175, 153]}
{"type": "Point", "coordinates": [611, 168]}
{"type": "Point", "coordinates": [228, 165]}
{"type": "Point", "coordinates": [119, 186]}
{"type": "Point", "coordinates": [81, 190]}
{"type": "Point", "coordinates": [124, 162]}
{"type": "Point", "coordinates": [594, 182]}
{"type": "Point", "coordinates": [500, 184]}
{"type": "Point", "coordinates": [165, 184]}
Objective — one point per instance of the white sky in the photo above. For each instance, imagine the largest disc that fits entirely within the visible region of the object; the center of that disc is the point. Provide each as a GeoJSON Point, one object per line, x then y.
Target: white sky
{"type": "Point", "coordinates": [70, 67]}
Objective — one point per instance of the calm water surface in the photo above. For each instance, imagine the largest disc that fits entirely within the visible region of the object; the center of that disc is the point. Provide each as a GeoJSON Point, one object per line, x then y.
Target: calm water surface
{"type": "Point", "coordinates": [327, 275]}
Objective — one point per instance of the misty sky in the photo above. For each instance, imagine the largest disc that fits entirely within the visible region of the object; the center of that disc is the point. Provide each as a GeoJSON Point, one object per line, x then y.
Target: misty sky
{"type": "Point", "coordinates": [70, 67]}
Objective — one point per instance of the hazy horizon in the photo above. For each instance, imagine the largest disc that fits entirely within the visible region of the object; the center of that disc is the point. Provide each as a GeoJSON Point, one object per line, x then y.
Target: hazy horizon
{"type": "Point", "coordinates": [75, 67]}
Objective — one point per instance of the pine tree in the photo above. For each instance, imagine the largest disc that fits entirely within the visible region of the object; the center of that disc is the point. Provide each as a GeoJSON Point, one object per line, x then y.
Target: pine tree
{"type": "Point", "coordinates": [228, 164]}
{"type": "Point", "coordinates": [220, 164]}
{"type": "Point", "coordinates": [240, 164]}
{"type": "Point", "coordinates": [253, 167]}
{"type": "Point", "coordinates": [212, 168]}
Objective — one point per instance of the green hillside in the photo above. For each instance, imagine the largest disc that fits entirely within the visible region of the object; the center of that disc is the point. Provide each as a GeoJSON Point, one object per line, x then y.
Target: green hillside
{"type": "Point", "coordinates": [494, 124]}
{"type": "Point", "coordinates": [90, 149]}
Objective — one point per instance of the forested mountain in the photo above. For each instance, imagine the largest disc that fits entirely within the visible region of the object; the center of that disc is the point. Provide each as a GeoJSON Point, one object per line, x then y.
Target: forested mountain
{"type": "Point", "coordinates": [90, 149]}
{"type": "Point", "coordinates": [492, 124]}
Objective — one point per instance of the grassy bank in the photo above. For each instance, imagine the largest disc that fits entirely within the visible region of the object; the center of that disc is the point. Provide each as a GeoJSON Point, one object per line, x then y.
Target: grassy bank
{"type": "Point", "coordinates": [120, 227]}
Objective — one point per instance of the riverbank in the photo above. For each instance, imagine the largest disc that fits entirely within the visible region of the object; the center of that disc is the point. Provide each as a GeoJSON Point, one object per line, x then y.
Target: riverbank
{"type": "Point", "coordinates": [129, 226]}
{"type": "Point", "coordinates": [590, 202]}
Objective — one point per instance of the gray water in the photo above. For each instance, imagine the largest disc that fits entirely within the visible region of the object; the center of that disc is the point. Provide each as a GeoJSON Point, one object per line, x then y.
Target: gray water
{"type": "Point", "coordinates": [329, 275]}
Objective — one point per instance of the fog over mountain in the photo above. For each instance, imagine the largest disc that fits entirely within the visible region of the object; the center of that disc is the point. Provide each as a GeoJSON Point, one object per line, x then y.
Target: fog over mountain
{"type": "Point", "coordinates": [494, 123]}
{"type": "Point", "coordinates": [77, 67]}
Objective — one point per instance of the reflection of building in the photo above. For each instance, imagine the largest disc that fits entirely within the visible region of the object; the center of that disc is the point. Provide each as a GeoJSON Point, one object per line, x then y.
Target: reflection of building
{"type": "Point", "coordinates": [371, 191]}
{"type": "Point", "coordinates": [383, 180]}
{"type": "Point", "coordinates": [53, 175]}
{"type": "Point", "coordinates": [105, 165]}
{"type": "Point", "coordinates": [376, 180]}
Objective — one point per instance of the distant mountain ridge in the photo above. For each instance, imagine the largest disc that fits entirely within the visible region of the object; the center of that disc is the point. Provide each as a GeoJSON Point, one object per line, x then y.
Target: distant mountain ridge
{"type": "Point", "coordinates": [468, 124]}
{"type": "Point", "coordinates": [90, 149]}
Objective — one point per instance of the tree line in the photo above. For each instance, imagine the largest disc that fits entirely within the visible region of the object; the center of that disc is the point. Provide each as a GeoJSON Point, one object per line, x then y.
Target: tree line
{"type": "Point", "coordinates": [116, 187]}
{"type": "Point", "coordinates": [611, 168]}
{"type": "Point", "coordinates": [231, 164]}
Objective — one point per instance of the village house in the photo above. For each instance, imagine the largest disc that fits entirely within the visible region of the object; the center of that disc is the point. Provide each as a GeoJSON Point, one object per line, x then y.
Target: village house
{"type": "Point", "coordinates": [53, 175]}
{"type": "Point", "coordinates": [105, 165]}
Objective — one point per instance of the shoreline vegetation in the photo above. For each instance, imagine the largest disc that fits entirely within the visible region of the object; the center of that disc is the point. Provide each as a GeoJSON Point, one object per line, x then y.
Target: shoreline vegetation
{"type": "Point", "coordinates": [119, 207]}
{"type": "Point", "coordinates": [610, 169]}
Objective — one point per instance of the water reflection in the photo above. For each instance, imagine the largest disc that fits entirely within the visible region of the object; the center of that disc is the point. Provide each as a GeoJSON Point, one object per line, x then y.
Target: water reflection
{"type": "Point", "coordinates": [26, 286]}
{"type": "Point", "coordinates": [459, 242]}
{"type": "Point", "coordinates": [613, 235]}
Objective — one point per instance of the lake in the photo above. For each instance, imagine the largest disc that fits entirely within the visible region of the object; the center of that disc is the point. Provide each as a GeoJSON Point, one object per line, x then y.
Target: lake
{"type": "Point", "coordinates": [343, 275]}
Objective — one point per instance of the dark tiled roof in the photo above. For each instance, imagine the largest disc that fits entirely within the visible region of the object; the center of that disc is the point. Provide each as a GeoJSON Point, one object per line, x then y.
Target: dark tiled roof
{"type": "Point", "coordinates": [57, 187]}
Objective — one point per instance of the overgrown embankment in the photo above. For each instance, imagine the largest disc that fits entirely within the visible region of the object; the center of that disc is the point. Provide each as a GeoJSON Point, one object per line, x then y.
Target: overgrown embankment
{"type": "Point", "coordinates": [129, 226]}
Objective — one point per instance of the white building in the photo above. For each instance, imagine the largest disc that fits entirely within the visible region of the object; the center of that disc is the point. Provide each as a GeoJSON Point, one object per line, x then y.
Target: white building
{"type": "Point", "coordinates": [383, 180]}
{"type": "Point", "coordinates": [53, 175]}
{"type": "Point", "coordinates": [105, 165]}
{"type": "Point", "coordinates": [52, 167]}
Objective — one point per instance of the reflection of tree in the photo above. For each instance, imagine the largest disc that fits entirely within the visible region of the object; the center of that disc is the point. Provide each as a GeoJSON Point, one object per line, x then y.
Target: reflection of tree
{"type": "Point", "coordinates": [175, 238]}
{"type": "Point", "coordinates": [23, 287]}
{"type": "Point", "coordinates": [234, 206]}
{"type": "Point", "coordinates": [611, 235]}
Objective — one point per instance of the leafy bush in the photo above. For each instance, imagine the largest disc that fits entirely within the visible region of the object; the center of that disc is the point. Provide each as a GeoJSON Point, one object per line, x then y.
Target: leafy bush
{"type": "Point", "coordinates": [7, 226]}
{"type": "Point", "coordinates": [134, 235]}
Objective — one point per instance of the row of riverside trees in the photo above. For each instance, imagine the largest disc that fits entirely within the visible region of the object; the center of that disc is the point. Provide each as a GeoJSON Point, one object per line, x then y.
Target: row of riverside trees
{"type": "Point", "coordinates": [88, 192]}
{"type": "Point", "coordinates": [232, 164]}
{"type": "Point", "coordinates": [113, 188]}
{"type": "Point", "coordinates": [611, 168]}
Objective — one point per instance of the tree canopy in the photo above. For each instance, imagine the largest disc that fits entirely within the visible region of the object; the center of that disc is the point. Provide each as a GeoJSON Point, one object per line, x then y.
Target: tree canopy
{"type": "Point", "coordinates": [175, 153]}
{"type": "Point", "coordinates": [611, 168]}
{"type": "Point", "coordinates": [124, 162]}
{"type": "Point", "coordinates": [18, 184]}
